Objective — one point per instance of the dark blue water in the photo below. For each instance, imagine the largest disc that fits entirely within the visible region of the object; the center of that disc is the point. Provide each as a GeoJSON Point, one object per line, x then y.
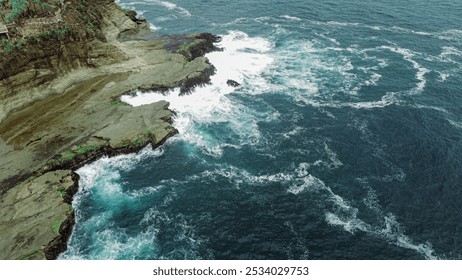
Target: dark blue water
{"type": "Point", "coordinates": [343, 142]}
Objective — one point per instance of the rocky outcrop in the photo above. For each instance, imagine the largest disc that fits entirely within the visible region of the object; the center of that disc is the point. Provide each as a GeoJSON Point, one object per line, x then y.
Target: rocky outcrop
{"type": "Point", "coordinates": [32, 214]}
{"type": "Point", "coordinates": [60, 109]}
{"type": "Point", "coordinates": [233, 83]}
{"type": "Point", "coordinates": [110, 130]}
{"type": "Point", "coordinates": [191, 46]}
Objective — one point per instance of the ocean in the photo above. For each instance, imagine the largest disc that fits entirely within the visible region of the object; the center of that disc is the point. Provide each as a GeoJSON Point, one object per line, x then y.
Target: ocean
{"type": "Point", "coordinates": [344, 140]}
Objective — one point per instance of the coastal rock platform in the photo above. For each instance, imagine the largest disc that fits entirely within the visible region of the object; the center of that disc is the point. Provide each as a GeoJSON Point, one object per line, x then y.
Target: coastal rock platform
{"type": "Point", "coordinates": [59, 114]}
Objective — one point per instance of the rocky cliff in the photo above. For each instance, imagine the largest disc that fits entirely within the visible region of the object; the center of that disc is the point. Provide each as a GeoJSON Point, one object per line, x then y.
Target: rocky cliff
{"type": "Point", "coordinates": [60, 108]}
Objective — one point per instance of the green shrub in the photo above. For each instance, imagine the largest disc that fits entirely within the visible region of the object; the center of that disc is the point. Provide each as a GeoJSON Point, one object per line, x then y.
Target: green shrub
{"type": "Point", "coordinates": [6, 46]}
{"type": "Point", "coordinates": [17, 8]}
{"type": "Point", "coordinates": [55, 34]}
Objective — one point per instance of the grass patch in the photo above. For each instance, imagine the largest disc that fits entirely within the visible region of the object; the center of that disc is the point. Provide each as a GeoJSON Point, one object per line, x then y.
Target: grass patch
{"type": "Point", "coordinates": [75, 154]}
{"type": "Point", "coordinates": [118, 103]}
{"type": "Point", "coordinates": [62, 192]}
{"type": "Point", "coordinates": [83, 150]}
{"type": "Point", "coordinates": [67, 156]}
{"type": "Point", "coordinates": [55, 227]}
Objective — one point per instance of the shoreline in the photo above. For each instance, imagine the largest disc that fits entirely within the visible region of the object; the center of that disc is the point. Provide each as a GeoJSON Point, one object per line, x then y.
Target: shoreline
{"type": "Point", "coordinates": [50, 127]}
{"type": "Point", "coordinates": [59, 244]}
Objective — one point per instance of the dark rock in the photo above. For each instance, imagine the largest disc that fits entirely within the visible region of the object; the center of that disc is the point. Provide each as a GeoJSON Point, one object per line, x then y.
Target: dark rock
{"type": "Point", "coordinates": [131, 14]}
{"type": "Point", "coordinates": [191, 46]}
{"type": "Point", "coordinates": [203, 79]}
{"type": "Point", "coordinates": [233, 83]}
{"type": "Point", "coordinates": [205, 43]}
{"type": "Point", "coordinates": [59, 244]}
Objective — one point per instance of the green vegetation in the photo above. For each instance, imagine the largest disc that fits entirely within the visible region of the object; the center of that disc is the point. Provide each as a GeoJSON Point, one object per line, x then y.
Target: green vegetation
{"type": "Point", "coordinates": [83, 9]}
{"type": "Point", "coordinates": [21, 7]}
{"type": "Point", "coordinates": [77, 152]}
{"type": "Point", "coordinates": [82, 150]}
{"type": "Point", "coordinates": [6, 46]}
{"type": "Point", "coordinates": [20, 43]}
{"type": "Point", "coordinates": [62, 192]}
{"type": "Point", "coordinates": [31, 178]}
{"type": "Point", "coordinates": [72, 155]}
{"type": "Point", "coordinates": [184, 48]}
{"type": "Point", "coordinates": [43, 5]}
{"type": "Point", "coordinates": [90, 27]}
{"type": "Point", "coordinates": [67, 156]}
{"type": "Point", "coordinates": [127, 11]}
{"type": "Point", "coordinates": [55, 227]}
{"type": "Point", "coordinates": [118, 103]}
{"type": "Point", "coordinates": [17, 8]}
{"type": "Point", "coordinates": [55, 33]}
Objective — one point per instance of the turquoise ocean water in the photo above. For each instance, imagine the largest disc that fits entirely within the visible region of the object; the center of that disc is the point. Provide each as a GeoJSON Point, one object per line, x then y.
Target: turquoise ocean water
{"type": "Point", "coordinates": [343, 142]}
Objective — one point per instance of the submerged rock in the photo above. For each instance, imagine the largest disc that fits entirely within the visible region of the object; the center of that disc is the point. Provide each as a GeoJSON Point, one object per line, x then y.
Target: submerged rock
{"type": "Point", "coordinates": [233, 83]}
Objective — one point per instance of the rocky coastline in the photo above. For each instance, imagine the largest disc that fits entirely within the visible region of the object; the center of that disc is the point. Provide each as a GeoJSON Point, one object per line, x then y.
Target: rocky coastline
{"type": "Point", "coordinates": [60, 109]}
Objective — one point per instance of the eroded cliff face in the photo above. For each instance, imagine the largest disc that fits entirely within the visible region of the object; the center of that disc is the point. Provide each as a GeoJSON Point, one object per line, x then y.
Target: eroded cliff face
{"type": "Point", "coordinates": [77, 34]}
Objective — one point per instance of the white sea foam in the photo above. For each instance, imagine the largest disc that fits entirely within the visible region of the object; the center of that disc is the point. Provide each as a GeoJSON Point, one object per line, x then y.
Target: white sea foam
{"type": "Point", "coordinates": [292, 18]}
{"type": "Point", "coordinates": [435, 108]}
{"type": "Point", "coordinates": [455, 123]}
{"type": "Point", "coordinates": [165, 4]}
{"type": "Point", "coordinates": [450, 35]}
{"type": "Point", "coordinates": [240, 177]}
{"type": "Point", "coordinates": [114, 243]}
{"type": "Point", "coordinates": [332, 40]}
{"type": "Point", "coordinates": [452, 58]}
{"type": "Point", "coordinates": [318, 69]}
{"type": "Point", "coordinates": [443, 76]}
{"type": "Point", "coordinates": [244, 59]}
{"type": "Point", "coordinates": [348, 224]}
{"type": "Point", "coordinates": [101, 180]}
{"type": "Point", "coordinates": [450, 51]}
{"type": "Point", "coordinates": [389, 228]}
{"type": "Point", "coordinates": [408, 55]}
{"type": "Point", "coordinates": [308, 182]}
{"type": "Point", "coordinates": [154, 27]}
{"type": "Point", "coordinates": [104, 176]}
{"type": "Point", "coordinates": [187, 240]}
{"type": "Point", "coordinates": [391, 231]}
{"type": "Point", "coordinates": [293, 132]}
{"type": "Point", "coordinates": [333, 157]}
{"type": "Point", "coordinates": [388, 99]}
{"type": "Point", "coordinates": [340, 213]}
